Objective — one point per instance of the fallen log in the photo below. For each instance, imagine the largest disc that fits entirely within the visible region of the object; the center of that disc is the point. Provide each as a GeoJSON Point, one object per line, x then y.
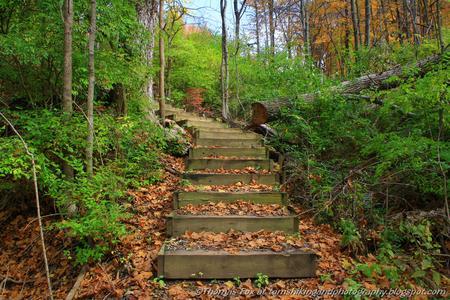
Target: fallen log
{"type": "Point", "coordinates": [266, 111]}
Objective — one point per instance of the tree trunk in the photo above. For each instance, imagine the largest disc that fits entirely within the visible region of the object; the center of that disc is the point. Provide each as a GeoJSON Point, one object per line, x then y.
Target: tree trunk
{"type": "Point", "coordinates": [119, 97]}
{"type": "Point", "coordinates": [416, 34]}
{"type": "Point", "coordinates": [147, 12]}
{"type": "Point", "coordinates": [304, 15]}
{"type": "Point", "coordinates": [367, 23]}
{"type": "Point", "coordinates": [439, 26]}
{"type": "Point", "coordinates": [355, 23]}
{"type": "Point", "coordinates": [264, 112]}
{"type": "Point", "coordinates": [385, 23]}
{"type": "Point", "coordinates": [68, 24]}
{"type": "Point", "coordinates": [224, 72]}
{"type": "Point", "coordinates": [406, 20]}
{"type": "Point", "coordinates": [258, 42]}
{"type": "Point", "coordinates": [67, 104]}
{"type": "Point", "coordinates": [271, 27]}
{"type": "Point", "coordinates": [162, 63]}
{"type": "Point", "coordinates": [90, 97]}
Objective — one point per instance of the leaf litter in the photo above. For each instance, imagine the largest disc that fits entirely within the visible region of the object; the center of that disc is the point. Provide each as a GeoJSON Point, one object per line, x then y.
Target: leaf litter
{"type": "Point", "coordinates": [239, 208]}
{"type": "Point", "coordinates": [130, 269]}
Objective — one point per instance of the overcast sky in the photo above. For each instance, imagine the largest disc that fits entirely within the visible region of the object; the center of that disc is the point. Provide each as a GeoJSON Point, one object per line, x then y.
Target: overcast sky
{"type": "Point", "coordinates": [208, 12]}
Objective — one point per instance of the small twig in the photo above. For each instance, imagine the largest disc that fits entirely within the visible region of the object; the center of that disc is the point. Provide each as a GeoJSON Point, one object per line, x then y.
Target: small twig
{"type": "Point", "coordinates": [6, 279]}
{"type": "Point", "coordinates": [77, 284]}
{"type": "Point", "coordinates": [38, 205]}
{"type": "Point", "coordinates": [35, 219]}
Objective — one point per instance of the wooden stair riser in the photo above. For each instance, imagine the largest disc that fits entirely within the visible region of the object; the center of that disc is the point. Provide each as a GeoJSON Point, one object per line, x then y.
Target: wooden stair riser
{"type": "Point", "coordinates": [250, 143]}
{"type": "Point", "coordinates": [256, 152]}
{"type": "Point", "coordinates": [230, 164]}
{"type": "Point", "coordinates": [201, 264]}
{"type": "Point", "coordinates": [178, 224]}
{"type": "Point", "coordinates": [224, 179]}
{"type": "Point", "coordinates": [182, 199]}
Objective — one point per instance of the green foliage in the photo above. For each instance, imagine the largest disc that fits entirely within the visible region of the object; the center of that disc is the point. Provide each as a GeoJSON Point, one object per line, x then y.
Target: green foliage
{"type": "Point", "coordinates": [351, 238]}
{"type": "Point", "coordinates": [126, 154]}
{"type": "Point", "coordinates": [261, 280]}
{"type": "Point", "coordinates": [31, 56]}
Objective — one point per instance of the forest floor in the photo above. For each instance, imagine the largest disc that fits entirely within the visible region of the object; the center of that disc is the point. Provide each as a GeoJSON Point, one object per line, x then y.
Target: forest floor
{"type": "Point", "coordinates": [130, 270]}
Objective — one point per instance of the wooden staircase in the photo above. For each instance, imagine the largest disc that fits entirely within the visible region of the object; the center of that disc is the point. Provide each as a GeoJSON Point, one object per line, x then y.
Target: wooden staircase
{"type": "Point", "coordinates": [220, 147]}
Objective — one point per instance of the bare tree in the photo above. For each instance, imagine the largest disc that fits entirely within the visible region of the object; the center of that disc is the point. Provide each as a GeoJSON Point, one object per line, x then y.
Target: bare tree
{"type": "Point", "coordinates": [271, 27]}
{"type": "Point", "coordinates": [162, 64]}
{"type": "Point", "coordinates": [368, 12]}
{"type": "Point", "coordinates": [304, 17]}
{"type": "Point", "coordinates": [224, 72]}
{"type": "Point", "coordinates": [90, 97]}
{"type": "Point", "coordinates": [257, 29]}
{"type": "Point", "coordinates": [439, 25]}
{"type": "Point", "coordinates": [67, 102]}
{"type": "Point", "coordinates": [147, 14]}
{"type": "Point", "coordinates": [67, 80]}
{"type": "Point", "coordinates": [355, 22]}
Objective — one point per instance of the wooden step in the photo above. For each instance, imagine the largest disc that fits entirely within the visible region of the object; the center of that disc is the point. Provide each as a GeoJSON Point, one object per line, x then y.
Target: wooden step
{"type": "Point", "coordinates": [237, 142]}
{"type": "Point", "coordinates": [178, 224]}
{"type": "Point", "coordinates": [185, 116]}
{"type": "Point", "coordinates": [228, 164]}
{"type": "Point", "coordinates": [226, 130]}
{"type": "Point", "coordinates": [184, 198]}
{"type": "Point", "coordinates": [211, 134]}
{"type": "Point", "coordinates": [255, 152]}
{"type": "Point", "coordinates": [202, 124]}
{"type": "Point", "coordinates": [222, 179]}
{"type": "Point", "coordinates": [204, 264]}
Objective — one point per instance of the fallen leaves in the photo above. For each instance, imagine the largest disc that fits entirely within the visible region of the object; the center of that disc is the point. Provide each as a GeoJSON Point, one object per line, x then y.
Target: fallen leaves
{"type": "Point", "coordinates": [236, 241]}
{"type": "Point", "coordinates": [253, 186]}
{"type": "Point", "coordinates": [246, 170]}
{"type": "Point", "coordinates": [239, 208]}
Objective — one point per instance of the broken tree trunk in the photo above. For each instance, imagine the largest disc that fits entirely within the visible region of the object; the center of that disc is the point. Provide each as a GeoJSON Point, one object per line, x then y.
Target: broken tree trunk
{"type": "Point", "coordinates": [267, 111]}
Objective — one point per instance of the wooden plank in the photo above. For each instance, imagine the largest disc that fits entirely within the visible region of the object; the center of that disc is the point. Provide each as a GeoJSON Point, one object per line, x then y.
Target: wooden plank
{"type": "Point", "coordinates": [250, 143]}
{"type": "Point", "coordinates": [202, 124]}
{"type": "Point", "coordinates": [228, 164]}
{"type": "Point", "coordinates": [204, 264]}
{"type": "Point", "coordinates": [184, 198]}
{"type": "Point", "coordinates": [178, 224]}
{"type": "Point", "coordinates": [222, 179]}
{"type": "Point", "coordinates": [256, 152]}
{"type": "Point", "coordinates": [211, 134]}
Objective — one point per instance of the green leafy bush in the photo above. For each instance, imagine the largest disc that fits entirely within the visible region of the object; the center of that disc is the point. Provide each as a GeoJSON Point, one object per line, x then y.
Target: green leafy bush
{"type": "Point", "coordinates": [126, 154]}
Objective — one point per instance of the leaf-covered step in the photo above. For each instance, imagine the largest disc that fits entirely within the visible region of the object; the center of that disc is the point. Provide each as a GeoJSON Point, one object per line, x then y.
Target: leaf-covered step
{"type": "Point", "coordinates": [218, 264]}
{"type": "Point", "coordinates": [255, 152]}
{"type": "Point", "coordinates": [228, 164]}
{"type": "Point", "coordinates": [202, 124]}
{"type": "Point", "coordinates": [222, 179]}
{"type": "Point", "coordinates": [182, 199]}
{"type": "Point", "coordinates": [179, 224]}
{"type": "Point", "coordinates": [185, 116]}
{"type": "Point", "coordinates": [211, 134]}
{"type": "Point", "coordinates": [235, 142]}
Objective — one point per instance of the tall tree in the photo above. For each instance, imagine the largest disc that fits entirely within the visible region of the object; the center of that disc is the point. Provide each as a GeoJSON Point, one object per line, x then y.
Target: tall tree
{"type": "Point", "coordinates": [257, 29]}
{"type": "Point", "coordinates": [416, 34]}
{"type": "Point", "coordinates": [239, 8]}
{"type": "Point", "coordinates": [90, 97]}
{"type": "Point", "coordinates": [368, 14]}
{"type": "Point", "coordinates": [355, 22]}
{"type": "Point", "coordinates": [304, 17]}
{"type": "Point", "coordinates": [67, 102]}
{"type": "Point", "coordinates": [271, 27]}
{"type": "Point", "coordinates": [147, 15]}
{"type": "Point", "coordinates": [67, 80]}
{"type": "Point", "coordinates": [224, 72]}
{"type": "Point", "coordinates": [439, 25]}
{"type": "Point", "coordinates": [162, 64]}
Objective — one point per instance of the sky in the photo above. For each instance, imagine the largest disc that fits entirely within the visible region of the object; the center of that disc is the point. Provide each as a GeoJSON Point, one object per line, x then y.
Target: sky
{"type": "Point", "coordinates": [208, 12]}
